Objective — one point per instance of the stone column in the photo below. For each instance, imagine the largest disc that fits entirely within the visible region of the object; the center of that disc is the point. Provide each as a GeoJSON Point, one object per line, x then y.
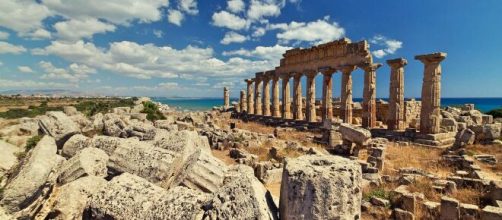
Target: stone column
{"type": "Point", "coordinates": [430, 114]}
{"type": "Point", "coordinates": [226, 98]}
{"type": "Point", "coordinates": [266, 94]}
{"type": "Point", "coordinates": [327, 94]}
{"type": "Point", "coordinates": [250, 96]}
{"type": "Point", "coordinates": [369, 95]}
{"type": "Point", "coordinates": [310, 108]}
{"type": "Point", "coordinates": [297, 97]}
{"type": "Point", "coordinates": [243, 101]}
{"type": "Point", "coordinates": [276, 109]}
{"type": "Point", "coordinates": [286, 99]}
{"type": "Point", "coordinates": [257, 88]}
{"type": "Point", "coordinates": [395, 119]}
{"type": "Point", "coordinates": [346, 94]}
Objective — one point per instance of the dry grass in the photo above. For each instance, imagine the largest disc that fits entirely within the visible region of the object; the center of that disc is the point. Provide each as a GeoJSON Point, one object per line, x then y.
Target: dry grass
{"type": "Point", "coordinates": [427, 159]}
{"type": "Point", "coordinates": [468, 195]}
{"type": "Point", "coordinates": [487, 149]}
{"type": "Point", "coordinates": [223, 156]}
{"type": "Point", "coordinates": [424, 185]}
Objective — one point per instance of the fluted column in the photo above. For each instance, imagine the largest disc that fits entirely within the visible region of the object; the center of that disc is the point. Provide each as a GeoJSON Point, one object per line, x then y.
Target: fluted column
{"type": "Point", "coordinates": [297, 97]}
{"type": "Point", "coordinates": [266, 94]}
{"type": "Point", "coordinates": [346, 94]}
{"type": "Point", "coordinates": [276, 109]}
{"type": "Point", "coordinates": [310, 108]}
{"type": "Point", "coordinates": [250, 98]}
{"type": "Point", "coordinates": [395, 119]}
{"type": "Point", "coordinates": [430, 113]}
{"type": "Point", "coordinates": [369, 95]}
{"type": "Point", "coordinates": [327, 94]}
{"type": "Point", "coordinates": [257, 88]}
{"type": "Point", "coordinates": [243, 101]}
{"type": "Point", "coordinates": [226, 98]}
{"type": "Point", "coordinates": [286, 99]}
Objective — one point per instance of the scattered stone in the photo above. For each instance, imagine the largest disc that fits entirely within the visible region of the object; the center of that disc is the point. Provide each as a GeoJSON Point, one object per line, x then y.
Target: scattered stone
{"type": "Point", "coordinates": [400, 214]}
{"type": "Point", "coordinates": [88, 162]}
{"type": "Point", "coordinates": [486, 158]}
{"type": "Point", "coordinates": [354, 134]}
{"type": "Point", "coordinates": [379, 201]}
{"type": "Point", "coordinates": [450, 208]}
{"type": "Point", "coordinates": [491, 213]}
{"type": "Point", "coordinates": [207, 174]}
{"type": "Point", "coordinates": [59, 126]}
{"type": "Point", "coordinates": [75, 144]}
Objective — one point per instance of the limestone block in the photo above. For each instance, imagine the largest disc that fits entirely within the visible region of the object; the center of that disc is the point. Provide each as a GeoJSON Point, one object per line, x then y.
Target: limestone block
{"type": "Point", "coordinates": [75, 144]}
{"type": "Point", "coordinates": [400, 214]}
{"type": "Point", "coordinates": [59, 126]}
{"type": "Point", "coordinates": [469, 211]}
{"type": "Point", "coordinates": [121, 110]}
{"type": "Point", "coordinates": [321, 187]}
{"type": "Point", "coordinates": [491, 213]}
{"type": "Point", "coordinates": [207, 174]}
{"type": "Point", "coordinates": [487, 132]}
{"type": "Point", "coordinates": [448, 125]}
{"type": "Point", "coordinates": [32, 177]}
{"type": "Point", "coordinates": [450, 208]}
{"type": "Point", "coordinates": [88, 162]}
{"type": "Point", "coordinates": [131, 197]}
{"type": "Point", "coordinates": [114, 126]}
{"type": "Point", "coordinates": [97, 122]}
{"type": "Point", "coordinates": [8, 155]}
{"type": "Point", "coordinates": [143, 131]}
{"type": "Point", "coordinates": [242, 196]}
{"type": "Point", "coordinates": [70, 110]}
{"type": "Point", "coordinates": [354, 134]}
{"type": "Point", "coordinates": [487, 119]}
{"type": "Point", "coordinates": [108, 144]}
{"type": "Point", "coordinates": [464, 137]}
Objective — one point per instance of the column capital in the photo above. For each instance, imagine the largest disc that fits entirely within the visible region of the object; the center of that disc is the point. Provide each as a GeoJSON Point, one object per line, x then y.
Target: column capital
{"type": "Point", "coordinates": [327, 70]}
{"type": "Point", "coordinates": [259, 76]}
{"type": "Point", "coordinates": [297, 74]}
{"type": "Point", "coordinates": [225, 88]}
{"type": "Point", "coordinates": [311, 73]}
{"type": "Point", "coordinates": [285, 76]}
{"type": "Point", "coordinates": [397, 63]}
{"type": "Point", "coordinates": [347, 68]}
{"type": "Point", "coordinates": [370, 67]}
{"type": "Point", "coordinates": [431, 58]}
{"type": "Point", "coordinates": [249, 81]}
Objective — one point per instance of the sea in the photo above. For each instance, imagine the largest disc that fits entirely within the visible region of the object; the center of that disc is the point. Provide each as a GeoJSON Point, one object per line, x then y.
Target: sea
{"type": "Point", "coordinates": [203, 104]}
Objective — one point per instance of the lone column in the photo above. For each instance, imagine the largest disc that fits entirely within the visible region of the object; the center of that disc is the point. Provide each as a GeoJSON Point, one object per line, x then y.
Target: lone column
{"type": "Point", "coordinates": [395, 120]}
{"type": "Point", "coordinates": [297, 98]}
{"type": "Point", "coordinates": [250, 96]}
{"type": "Point", "coordinates": [286, 100]}
{"type": "Point", "coordinates": [430, 114]}
{"type": "Point", "coordinates": [310, 108]}
{"type": "Point", "coordinates": [243, 101]}
{"type": "Point", "coordinates": [276, 109]}
{"type": "Point", "coordinates": [266, 94]}
{"type": "Point", "coordinates": [226, 98]}
{"type": "Point", "coordinates": [346, 94]}
{"type": "Point", "coordinates": [257, 88]}
{"type": "Point", "coordinates": [369, 95]}
{"type": "Point", "coordinates": [327, 93]}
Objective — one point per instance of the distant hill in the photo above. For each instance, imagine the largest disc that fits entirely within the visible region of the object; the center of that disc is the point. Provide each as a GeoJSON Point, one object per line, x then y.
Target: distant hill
{"type": "Point", "coordinates": [47, 92]}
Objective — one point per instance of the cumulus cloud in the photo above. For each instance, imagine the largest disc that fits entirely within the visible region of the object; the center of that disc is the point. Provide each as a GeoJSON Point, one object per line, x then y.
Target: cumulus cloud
{"type": "Point", "coordinates": [390, 46]}
{"type": "Point", "coordinates": [73, 30]}
{"type": "Point", "coordinates": [259, 32]}
{"type": "Point", "coordinates": [233, 37]}
{"type": "Point", "coordinates": [273, 53]}
{"type": "Point", "coordinates": [25, 69]}
{"type": "Point", "coordinates": [6, 83]}
{"type": "Point", "coordinates": [236, 6]}
{"type": "Point", "coordinates": [319, 31]}
{"type": "Point", "coordinates": [259, 9]}
{"type": "Point", "coordinates": [229, 20]}
{"type": "Point", "coordinates": [158, 33]}
{"type": "Point", "coordinates": [11, 48]}
{"type": "Point", "coordinates": [175, 17]}
{"type": "Point", "coordinates": [37, 34]}
{"type": "Point", "coordinates": [24, 17]}
{"type": "Point", "coordinates": [4, 35]}
{"type": "Point", "coordinates": [188, 6]}
{"type": "Point", "coordinates": [74, 73]}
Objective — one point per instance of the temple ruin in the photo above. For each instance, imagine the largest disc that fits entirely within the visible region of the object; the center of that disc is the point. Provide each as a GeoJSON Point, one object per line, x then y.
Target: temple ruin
{"type": "Point", "coordinates": [397, 117]}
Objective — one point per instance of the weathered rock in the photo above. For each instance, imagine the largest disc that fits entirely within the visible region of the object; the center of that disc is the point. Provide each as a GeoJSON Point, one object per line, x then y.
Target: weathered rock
{"type": "Point", "coordinates": [70, 110]}
{"type": "Point", "coordinates": [108, 144]}
{"type": "Point", "coordinates": [448, 125]}
{"type": "Point", "coordinates": [400, 214]}
{"type": "Point", "coordinates": [75, 144]}
{"type": "Point", "coordinates": [70, 200]}
{"type": "Point", "coordinates": [379, 201]}
{"type": "Point", "coordinates": [450, 208]}
{"type": "Point", "coordinates": [27, 184]}
{"type": "Point", "coordinates": [207, 174]}
{"type": "Point", "coordinates": [121, 110]}
{"type": "Point", "coordinates": [4, 215]}
{"type": "Point", "coordinates": [88, 162]}
{"type": "Point", "coordinates": [487, 133]}
{"type": "Point", "coordinates": [136, 198]}
{"type": "Point", "coordinates": [464, 137]}
{"type": "Point", "coordinates": [354, 134]}
{"type": "Point", "coordinates": [114, 126]}
{"type": "Point", "coordinates": [97, 122]}
{"type": "Point", "coordinates": [59, 126]}
{"type": "Point", "coordinates": [242, 196]}
{"type": "Point", "coordinates": [142, 131]}
{"type": "Point", "coordinates": [8, 155]}
{"type": "Point", "coordinates": [321, 187]}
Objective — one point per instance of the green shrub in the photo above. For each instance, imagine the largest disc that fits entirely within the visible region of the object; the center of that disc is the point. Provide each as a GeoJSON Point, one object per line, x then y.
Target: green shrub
{"type": "Point", "coordinates": [379, 193]}
{"type": "Point", "coordinates": [32, 142]}
{"type": "Point", "coordinates": [496, 113]}
{"type": "Point", "coordinates": [152, 111]}
{"type": "Point", "coordinates": [31, 112]}
{"type": "Point", "coordinates": [90, 108]}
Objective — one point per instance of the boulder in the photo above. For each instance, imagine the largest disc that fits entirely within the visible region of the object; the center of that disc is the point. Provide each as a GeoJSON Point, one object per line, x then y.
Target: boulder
{"type": "Point", "coordinates": [59, 126]}
{"type": "Point", "coordinates": [97, 122]}
{"type": "Point", "coordinates": [488, 132]}
{"type": "Point", "coordinates": [88, 162]}
{"type": "Point", "coordinates": [354, 134]}
{"type": "Point", "coordinates": [242, 196]}
{"type": "Point", "coordinates": [8, 156]}
{"type": "Point", "coordinates": [321, 187]}
{"type": "Point", "coordinates": [28, 126]}
{"type": "Point", "coordinates": [75, 144]}
{"type": "Point", "coordinates": [108, 144]}
{"type": "Point", "coordinates": [142, 131]}
{"type": "Point", "coordinates": [70, 110]}
{"type": "Point", "coordinates": [71, 199]}
{"type": "Point", "coordinates": [121, 110]}
{"type": "Point", "coordinates": [207, 174]}
{"type": "Point", "coordinates": [114, 126]}
{"type": "Point", "coordinates": [130, 197]}
{"type": "Point", "coordinates": [32, 177]}
{"type": "Point", "coordinates": [448, 125]}
{"type": "Point", "coordinates": [464, 137]}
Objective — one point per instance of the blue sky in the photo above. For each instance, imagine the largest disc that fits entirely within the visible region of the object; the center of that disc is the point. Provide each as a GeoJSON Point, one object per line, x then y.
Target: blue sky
{"type": "Point", "coordinates": [193, 48]}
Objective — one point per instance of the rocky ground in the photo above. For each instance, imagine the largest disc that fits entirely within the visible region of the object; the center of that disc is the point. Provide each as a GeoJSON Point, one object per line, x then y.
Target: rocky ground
{"type": "Point", "coordinates": [212, 165]}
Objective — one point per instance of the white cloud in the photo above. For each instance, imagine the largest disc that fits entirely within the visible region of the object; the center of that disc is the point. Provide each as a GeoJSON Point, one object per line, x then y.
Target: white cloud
{"type": "Point", "coordinates": [5, 83]}
{"type": "Point", "coordinates": [175, 17]}
{"type": "Point", "coordinates": [319, 31]}
{"type": "Point", "coordinates": [25, 69]}
{"type": "Point", "coordinates": [37, 34]}
{"type": "Point", "coordinates": [188, 6]}
{"type": "Point", "coordinates": [228, 20]}
{"type": "Point", "coordinates": [168, 85]}
{"type": "Point", "coordinates": [259, 9]}
{"type": "Point", "coordinates": [158, 33]}
{"type": "Point", "coordinates": [11, 48]}
{"type": "Point", "coordinates": [73, 30]}
{"type": "Point", "coordinates": [23, 16]}
{"type": "Point", "coordinates": [273, 53]}
{"type": "Point", "coordinates": [235, 6]}
{"type": "Point", "coordinates": [4, 35]}
{"type": "Point", "coordinates": [74, 73]}
{"type": "Point", "coordinates": [390, 46]}
{"type": "Point", "coordinates": [259, 32]}
{"type": "Point", "coordinates": [233, 37]}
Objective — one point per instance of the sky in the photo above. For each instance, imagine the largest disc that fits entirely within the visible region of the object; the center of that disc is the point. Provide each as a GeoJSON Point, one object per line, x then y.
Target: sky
{"type": "Point", "coordinates": [194, 48]}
